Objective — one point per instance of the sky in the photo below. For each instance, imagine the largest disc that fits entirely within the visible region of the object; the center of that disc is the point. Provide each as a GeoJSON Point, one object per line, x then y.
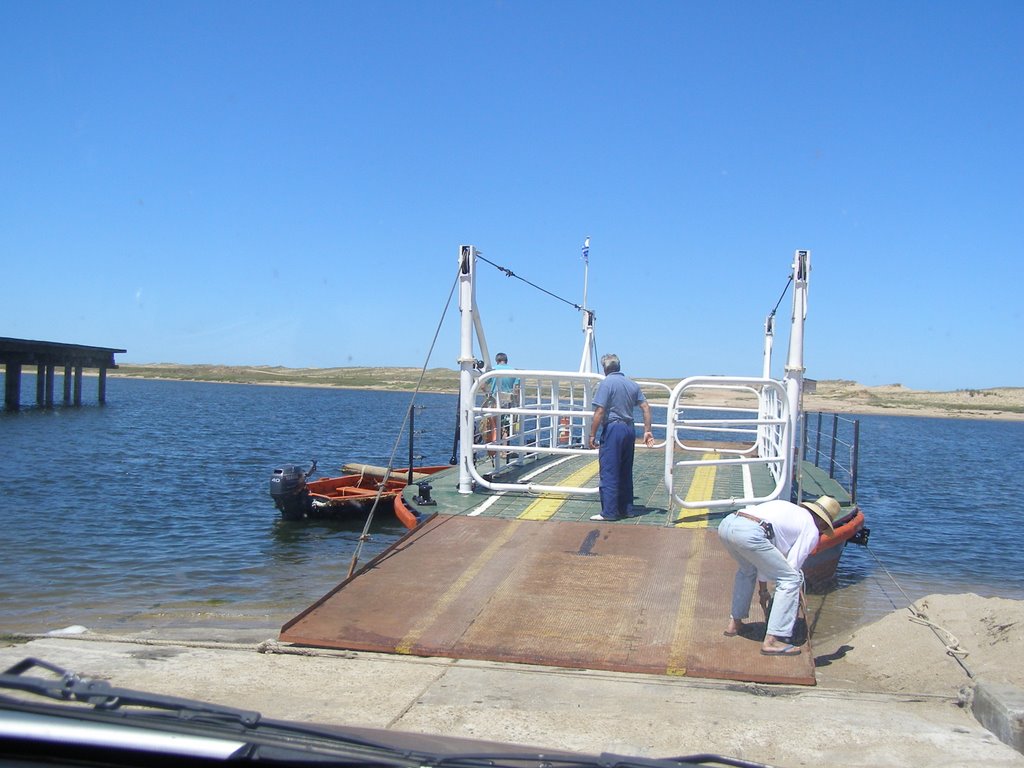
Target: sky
{"type": "Point", "coordinates": [264, 183]}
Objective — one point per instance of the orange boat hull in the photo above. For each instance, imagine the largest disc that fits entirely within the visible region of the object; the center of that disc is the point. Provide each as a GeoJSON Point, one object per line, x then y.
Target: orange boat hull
{"type": "Point", "coordinates": [330, 495]}
{"type": "Point", "coordinates": [820, 566]}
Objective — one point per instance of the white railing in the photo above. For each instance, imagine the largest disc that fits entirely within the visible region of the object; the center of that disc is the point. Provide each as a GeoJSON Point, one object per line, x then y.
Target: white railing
{"type": "Point", "coordinates": [744, 436]}
{"type": "Point", "coordinates": [550, 415]}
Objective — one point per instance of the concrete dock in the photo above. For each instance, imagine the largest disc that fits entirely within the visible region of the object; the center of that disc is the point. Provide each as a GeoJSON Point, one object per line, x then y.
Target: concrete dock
{"type": "Point", "coordinates": [835, 723]}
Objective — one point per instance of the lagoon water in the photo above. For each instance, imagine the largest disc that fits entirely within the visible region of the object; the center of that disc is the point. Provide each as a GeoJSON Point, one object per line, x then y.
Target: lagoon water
{"type": "Point", "coordinates": [153, 511]}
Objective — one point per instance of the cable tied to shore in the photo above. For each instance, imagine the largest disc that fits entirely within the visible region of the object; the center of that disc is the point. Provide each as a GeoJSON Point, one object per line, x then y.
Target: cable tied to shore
{"type": "Point", "coordinates": [918, 616]}
{"type": "Point", "coordinates": [364, 536]}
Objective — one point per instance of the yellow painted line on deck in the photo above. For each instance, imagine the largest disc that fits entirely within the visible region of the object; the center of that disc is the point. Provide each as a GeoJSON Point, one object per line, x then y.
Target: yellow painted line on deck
{"type": "Point", "coordinates": [412, 637]}
{"type": "Point", "coordinates": [682, 637]}
{"type": "Point", "coordinates": [545, 508]}
{"type": "Point", "coordinates": [702, 488]}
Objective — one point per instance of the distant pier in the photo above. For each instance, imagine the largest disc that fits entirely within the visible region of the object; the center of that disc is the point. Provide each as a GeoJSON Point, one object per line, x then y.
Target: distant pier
{"type": "Point", "coordinates": [46, 356]}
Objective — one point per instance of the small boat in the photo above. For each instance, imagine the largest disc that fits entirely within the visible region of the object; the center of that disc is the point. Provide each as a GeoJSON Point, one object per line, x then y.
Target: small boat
{"type": "Point", "coordinates": [298, 497]}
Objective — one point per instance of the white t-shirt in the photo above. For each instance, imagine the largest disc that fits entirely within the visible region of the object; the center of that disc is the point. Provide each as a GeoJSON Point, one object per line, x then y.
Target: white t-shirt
{"type": "Point", "coordinates": [796, 534]}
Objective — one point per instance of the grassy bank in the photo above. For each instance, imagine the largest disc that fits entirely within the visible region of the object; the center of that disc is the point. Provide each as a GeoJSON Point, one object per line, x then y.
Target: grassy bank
{"type": "Point", "coordinates": [840, 396]}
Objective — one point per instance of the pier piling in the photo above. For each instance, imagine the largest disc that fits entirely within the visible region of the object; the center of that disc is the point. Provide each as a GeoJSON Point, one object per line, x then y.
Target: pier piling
{"type": "Point", "coordinates": [15, 354]}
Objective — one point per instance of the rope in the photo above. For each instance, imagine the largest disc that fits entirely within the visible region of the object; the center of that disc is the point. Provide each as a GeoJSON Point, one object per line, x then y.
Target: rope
{"type": "Point", "coordinates": [364, 536]}
{"type": "Point", "coordinates": [509, 273]}
{"type": "Point", "coordinates": [947, 638]}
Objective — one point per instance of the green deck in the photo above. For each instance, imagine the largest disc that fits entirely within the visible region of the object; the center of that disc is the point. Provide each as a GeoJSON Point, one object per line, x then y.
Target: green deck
{"type": "Point", "coordinates": [650, 494]}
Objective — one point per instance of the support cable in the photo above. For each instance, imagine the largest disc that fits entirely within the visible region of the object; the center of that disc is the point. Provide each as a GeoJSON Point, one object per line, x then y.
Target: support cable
{"type": "Point", "coordinates": [364, 536]}
{"type": "Point", "coordinates": [509, 273]}
{"type": "Point", "coordinates": [781, 297]}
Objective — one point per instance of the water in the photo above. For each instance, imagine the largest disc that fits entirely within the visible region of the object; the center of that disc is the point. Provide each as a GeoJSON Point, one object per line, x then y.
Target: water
{"type": "Point", "coordinates": [153, 511]}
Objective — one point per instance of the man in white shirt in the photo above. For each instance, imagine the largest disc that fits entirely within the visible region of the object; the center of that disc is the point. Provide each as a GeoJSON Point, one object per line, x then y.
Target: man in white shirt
{"type": "Point", "coordinates": [770, 542]}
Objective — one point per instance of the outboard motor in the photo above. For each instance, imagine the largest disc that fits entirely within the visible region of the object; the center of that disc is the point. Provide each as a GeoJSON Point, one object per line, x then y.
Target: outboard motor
{"type": "Point", "coordinates": [288, 489]}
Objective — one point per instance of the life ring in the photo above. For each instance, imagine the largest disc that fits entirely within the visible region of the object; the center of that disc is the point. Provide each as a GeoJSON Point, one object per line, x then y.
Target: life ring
{"type": "Point", "coordinates": [563, 430]}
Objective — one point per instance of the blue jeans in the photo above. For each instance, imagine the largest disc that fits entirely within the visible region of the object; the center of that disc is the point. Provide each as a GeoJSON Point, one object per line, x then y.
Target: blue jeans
{"type": "Point", "coordinates": [747, 543]}
{"type": "Point", "coordinates": [618, 443]}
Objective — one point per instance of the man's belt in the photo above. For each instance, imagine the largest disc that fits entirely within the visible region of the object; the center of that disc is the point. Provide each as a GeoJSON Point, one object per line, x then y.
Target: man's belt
{"type": "Point", "coordinates": [769, 531]}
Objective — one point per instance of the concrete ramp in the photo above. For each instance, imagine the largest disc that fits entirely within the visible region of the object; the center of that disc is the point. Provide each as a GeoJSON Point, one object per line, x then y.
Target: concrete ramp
{"type": "Point", "coordinates": [606, 596]}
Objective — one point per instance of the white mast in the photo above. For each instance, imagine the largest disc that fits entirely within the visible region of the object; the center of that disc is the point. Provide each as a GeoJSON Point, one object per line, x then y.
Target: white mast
{"type": "Point", "coordinates": [794, 377]}
{"type": "Point", "coordinates": [589, 358]}
{"type": "Point", "coordinates": [769, 339]}
{"type": "Point", "coordinates": [467, 361]}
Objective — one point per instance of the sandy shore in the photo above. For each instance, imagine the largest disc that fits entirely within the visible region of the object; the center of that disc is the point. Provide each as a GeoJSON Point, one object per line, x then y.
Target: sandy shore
{"type": "Point", "coordinates": [830, 396]}
{"type": "Point", "coordinates": [889, 694]}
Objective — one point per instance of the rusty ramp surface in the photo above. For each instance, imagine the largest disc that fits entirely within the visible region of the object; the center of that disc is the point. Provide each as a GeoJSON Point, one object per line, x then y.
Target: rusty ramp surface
{"type": "Point", "coordinates": [570, 594]}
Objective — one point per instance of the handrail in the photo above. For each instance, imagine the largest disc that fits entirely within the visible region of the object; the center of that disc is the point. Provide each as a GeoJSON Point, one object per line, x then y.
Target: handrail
{"type": "Point", "coordinates": [553, 416]}
{"type": "Point", "coordinates": [767, 427]}
{"type": "Point", "coordinates": [845, 433]}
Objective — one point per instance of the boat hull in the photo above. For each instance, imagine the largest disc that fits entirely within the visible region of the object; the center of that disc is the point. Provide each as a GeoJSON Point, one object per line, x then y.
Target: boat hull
{"type": "Point", "coordinates": [356, 493]}
{"type": "Point", "coordinates": [820, 565]}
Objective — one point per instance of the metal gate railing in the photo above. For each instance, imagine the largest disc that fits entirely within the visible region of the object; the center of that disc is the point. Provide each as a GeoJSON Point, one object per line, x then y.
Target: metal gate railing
{"type": "Point", "coordinates": [757, 435]}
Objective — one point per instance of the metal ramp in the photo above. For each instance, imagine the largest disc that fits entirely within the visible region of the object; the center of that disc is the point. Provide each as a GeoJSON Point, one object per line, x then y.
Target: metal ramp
{"type": "Point", "coordinates": [607, 596]}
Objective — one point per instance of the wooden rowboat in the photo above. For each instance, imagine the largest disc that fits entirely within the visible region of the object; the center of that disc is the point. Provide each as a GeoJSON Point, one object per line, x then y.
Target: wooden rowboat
{"type": "Point", "coordinates": [353, 492]}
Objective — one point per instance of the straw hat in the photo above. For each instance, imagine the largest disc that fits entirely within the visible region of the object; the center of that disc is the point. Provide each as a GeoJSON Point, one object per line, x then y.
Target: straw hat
{"type": "Point", "coordinates": [825, 507]}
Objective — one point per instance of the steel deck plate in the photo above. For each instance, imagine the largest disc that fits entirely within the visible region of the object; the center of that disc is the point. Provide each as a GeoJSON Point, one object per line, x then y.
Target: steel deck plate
{"type": "Point", "coordinates": [576, 594]}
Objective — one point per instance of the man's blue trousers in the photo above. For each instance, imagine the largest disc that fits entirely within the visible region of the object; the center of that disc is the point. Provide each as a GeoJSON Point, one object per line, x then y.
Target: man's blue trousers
{"type": "Point", "coordinates": [618, 443]}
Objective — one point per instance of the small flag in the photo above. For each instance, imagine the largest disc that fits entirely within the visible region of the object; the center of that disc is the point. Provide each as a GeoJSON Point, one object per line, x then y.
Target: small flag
{"type": "Point", "coordinates": [586, 251]}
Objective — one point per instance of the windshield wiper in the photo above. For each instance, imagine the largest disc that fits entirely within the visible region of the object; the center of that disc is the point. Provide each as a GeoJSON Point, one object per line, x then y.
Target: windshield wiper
{"type": "Point", "coordinates": [69, 686]}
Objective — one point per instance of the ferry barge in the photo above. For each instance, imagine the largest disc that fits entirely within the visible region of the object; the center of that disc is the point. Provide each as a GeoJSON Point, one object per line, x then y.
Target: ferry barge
{"type": "Point", "coordinates": [505, 563]}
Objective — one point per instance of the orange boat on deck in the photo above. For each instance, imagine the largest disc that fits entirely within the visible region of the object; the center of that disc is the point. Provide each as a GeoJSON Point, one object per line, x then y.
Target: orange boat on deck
{"type": "Point", "coordinates": [299, 498]}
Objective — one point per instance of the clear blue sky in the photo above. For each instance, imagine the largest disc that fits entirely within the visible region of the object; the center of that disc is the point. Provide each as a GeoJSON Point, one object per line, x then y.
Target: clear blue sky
{"type": "Point", "coordinates": [288, 183]}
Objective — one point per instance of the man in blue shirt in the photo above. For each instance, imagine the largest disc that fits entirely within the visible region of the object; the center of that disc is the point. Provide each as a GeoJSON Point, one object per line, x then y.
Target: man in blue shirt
{"type": "Point", "coordinates": [616, 399]}
{"type": "Point", "coordinates": [504, 389]}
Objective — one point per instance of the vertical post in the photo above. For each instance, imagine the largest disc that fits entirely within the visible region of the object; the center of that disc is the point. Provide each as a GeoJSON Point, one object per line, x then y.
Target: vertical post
{"type": "Point", "coordinates": [856, 458]}
{"type": "Point", "coordinates": [817, 442]}
{"type": "Point", "coordinates": [467, 308]}
{"type": "Point", "coordinates": [49, 386]}
{"type": "Point", "coordinates": [12, 386]}
{"type": "Point", "coordinates": [769, 336]}
{"type": "Point", "coordinates": [102, 385]}
{"type": "Point", "coordinates": [832, 453]}
{"type": "Point", "coordinates": [40, 385]}
{"type": "Point", "coordinates": [78, 385]}
{"type": "Point", "coordinates": [794, 375]}
{"type": "Point", "coordinates": [67, 384]}
{"type": "Point", "coordinates": [804, 440]}
{"type": "Point", "coordinates": [412, 431]}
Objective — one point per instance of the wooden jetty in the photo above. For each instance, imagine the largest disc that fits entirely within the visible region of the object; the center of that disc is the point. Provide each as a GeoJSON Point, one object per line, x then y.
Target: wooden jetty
{"type": "Point", "coordinates": [47, 356]}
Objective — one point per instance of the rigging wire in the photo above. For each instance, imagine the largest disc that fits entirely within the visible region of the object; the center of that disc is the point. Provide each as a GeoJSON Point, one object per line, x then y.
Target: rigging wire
{"type": "Point", "coordinates": [364, 536]}
{"type": "Point", "coordinates": [509, 273]}
{"type": "Point", "coordinates": [781, 297]}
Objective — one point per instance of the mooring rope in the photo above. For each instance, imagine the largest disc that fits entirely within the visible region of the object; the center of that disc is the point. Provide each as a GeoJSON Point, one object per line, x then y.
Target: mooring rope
{"type": "Point", "coordinates": [918, 616]}
{"type": "Point", "coordinates": [364, 536]}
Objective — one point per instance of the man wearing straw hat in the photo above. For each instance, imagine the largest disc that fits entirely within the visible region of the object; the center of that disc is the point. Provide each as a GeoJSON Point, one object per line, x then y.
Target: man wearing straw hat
{"type": "Point", "coordinates": [770, 542]}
